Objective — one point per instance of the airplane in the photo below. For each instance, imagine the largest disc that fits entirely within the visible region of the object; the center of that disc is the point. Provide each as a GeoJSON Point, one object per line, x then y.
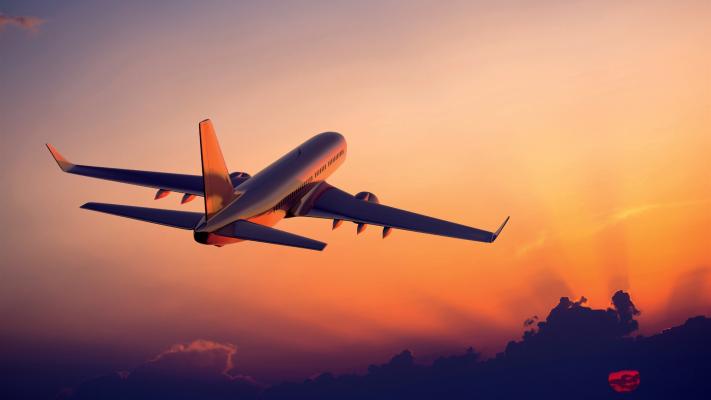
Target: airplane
{"type": "Point", "coordinates": [241, 207]}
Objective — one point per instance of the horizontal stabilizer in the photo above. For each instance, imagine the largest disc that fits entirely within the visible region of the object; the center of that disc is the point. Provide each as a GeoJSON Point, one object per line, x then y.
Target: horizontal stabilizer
{"type": "Point", "coordinates": [246, 230]}
{"type": "Point", "coordinates": [172, 218]}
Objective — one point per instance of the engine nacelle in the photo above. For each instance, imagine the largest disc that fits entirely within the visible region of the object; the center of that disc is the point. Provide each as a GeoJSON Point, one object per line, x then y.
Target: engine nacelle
{"type": "Point", "coordinates": [238, 177]}
{"type": "Point", "coordinates": [161, 193]}
{"type": "Point", "coordinates": [361, 227]}
{"type": "Point", "coordinates": [187, 197]}
{"type": "Point", "coordinates": [369, 197]}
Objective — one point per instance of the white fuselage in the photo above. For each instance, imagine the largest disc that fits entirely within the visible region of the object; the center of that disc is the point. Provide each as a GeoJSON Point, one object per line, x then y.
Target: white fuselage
{"type": "Point", "coordinates": [279, 189]}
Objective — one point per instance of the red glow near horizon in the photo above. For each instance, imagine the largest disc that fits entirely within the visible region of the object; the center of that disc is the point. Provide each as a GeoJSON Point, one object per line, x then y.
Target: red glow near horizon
{"type": "Point", "coordinates": [624, 381]}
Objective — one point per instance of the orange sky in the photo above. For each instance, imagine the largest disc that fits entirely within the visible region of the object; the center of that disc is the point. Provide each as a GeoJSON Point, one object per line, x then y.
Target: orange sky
{"type": "Point", "coordinates": [588, 124]}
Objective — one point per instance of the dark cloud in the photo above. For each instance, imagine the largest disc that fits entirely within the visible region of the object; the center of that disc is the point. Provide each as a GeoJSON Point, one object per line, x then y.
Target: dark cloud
{"type": "Point", "coordinates": [24, 22]}
{"type": "Point", "coordinates": [540, 283]}
{"type": "Point", "coordinates": [569, 354]}
{"type": "Point", "coordinates": [626, 311]}
{"type": "Point", "coordinates": [204, 359]}
{"type": "Point", "coordinates": [200, 369]}
{"type": "Point", "coordinates": [530, 321]}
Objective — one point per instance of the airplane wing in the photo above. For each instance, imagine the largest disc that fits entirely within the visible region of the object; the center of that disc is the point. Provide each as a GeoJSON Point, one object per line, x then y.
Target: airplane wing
{"type": "Point", "coordinates": [190, 184]}
{"type": "Point", "coordinates": [334, 203]}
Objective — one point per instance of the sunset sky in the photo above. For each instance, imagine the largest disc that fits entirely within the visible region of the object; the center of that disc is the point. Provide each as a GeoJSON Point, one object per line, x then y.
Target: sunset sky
{"type": "Point", "coordinates": [588, 122]}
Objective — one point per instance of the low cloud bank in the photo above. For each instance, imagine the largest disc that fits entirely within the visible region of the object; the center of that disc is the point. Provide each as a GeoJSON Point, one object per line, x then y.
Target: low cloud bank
{"type": "Point", "coordinates": [568, 355]}
{"type": "Point", "coordinates": [202, 369]}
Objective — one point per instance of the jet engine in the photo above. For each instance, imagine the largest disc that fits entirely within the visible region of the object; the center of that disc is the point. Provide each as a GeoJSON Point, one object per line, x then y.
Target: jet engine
{"type": "Point", "coordinates": [187, 197]}
{"type": "Point", "coordinates": [161, 193]}
{"type": "Point", "coordinates": [369, 197]}
{"type": "Point", "coordinates": [239, 177]}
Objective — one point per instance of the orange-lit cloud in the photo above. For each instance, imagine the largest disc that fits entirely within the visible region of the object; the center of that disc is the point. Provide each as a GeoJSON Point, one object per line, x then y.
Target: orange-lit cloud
{"type": "Point", "coordinates": [538, 242]}
{"type": "Point", "coordinates": [602, 222]}
{"type": "Point", "coordinates": [25, 22]}
{"type": "Point", "coordinates": [623, 214]}
{"type": "Point", "coordinates": [204, 354]}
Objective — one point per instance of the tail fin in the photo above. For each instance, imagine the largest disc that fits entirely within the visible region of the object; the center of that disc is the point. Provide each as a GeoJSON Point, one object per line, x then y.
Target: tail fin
{"type": "Point", "coordinates": [218, 186]}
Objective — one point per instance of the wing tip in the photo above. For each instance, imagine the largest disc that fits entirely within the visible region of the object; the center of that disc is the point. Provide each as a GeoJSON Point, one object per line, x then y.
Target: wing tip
{"type": "Point", "coordinates": [63, 163]}
{"type": "Point", "coordinates": [501, 228]}
{"type": "Point", "coordinates": [88, 206]}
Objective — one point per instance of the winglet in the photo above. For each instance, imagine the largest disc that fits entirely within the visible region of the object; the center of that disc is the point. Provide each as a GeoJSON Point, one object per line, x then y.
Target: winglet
{"type": "Point", "coordinates": [498, 231]}
{"type": "Point", "coordinates": [61, 161]}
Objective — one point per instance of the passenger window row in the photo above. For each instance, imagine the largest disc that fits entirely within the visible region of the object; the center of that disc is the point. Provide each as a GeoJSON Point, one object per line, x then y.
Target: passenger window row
{"type": "Point", "coordinates": [293, 194]}
{"type": "Point", "coordinates": [311, 178]}
{"type": "Point", "coordinates": [328, 164]}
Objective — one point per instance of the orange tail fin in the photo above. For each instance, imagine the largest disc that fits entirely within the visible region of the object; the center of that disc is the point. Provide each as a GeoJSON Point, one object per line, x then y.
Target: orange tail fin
{"type": "Point", "coordinates": [218, 186]}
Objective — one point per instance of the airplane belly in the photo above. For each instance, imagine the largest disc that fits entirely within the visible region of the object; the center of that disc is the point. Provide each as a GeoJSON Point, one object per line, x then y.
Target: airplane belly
{"type": "Point", "coordinates": [269, 218]}
{"type": "Point", "coordinates": [214, 239]}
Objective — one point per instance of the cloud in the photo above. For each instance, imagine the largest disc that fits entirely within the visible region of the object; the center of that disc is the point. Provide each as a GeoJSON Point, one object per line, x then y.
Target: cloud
{"type": "Point", "coordinates": [204, 354]}
{"type": "Point", "coordinates": [24, 22]}
{"type": "Point", "coordinates": [626, 311]}
{"type": "Point", "coordinates": [603, 221]}
{"type": "Point", "coordinates": [568, 355]}
{"type": "Point", "coordinates": [198, 369]}
{"type": "Point", "coordinates": [530, 321]}
{"type": "Point", "coordinates": [535, 244]}
{"type": "Point", "coordinates": [626, 213]}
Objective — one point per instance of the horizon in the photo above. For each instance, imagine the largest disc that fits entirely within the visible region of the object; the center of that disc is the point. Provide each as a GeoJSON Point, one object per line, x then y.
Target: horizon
{"type": "Point", "coordinates": [603, 339]}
